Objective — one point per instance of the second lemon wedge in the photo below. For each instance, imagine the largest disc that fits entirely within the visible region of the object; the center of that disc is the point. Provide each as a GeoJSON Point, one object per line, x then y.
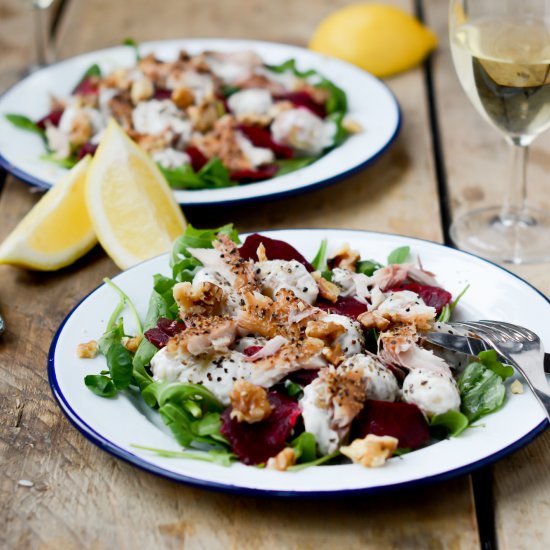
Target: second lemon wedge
{"type": "Point", "coordinates": [133, 210]}
{"type": "Point", "coordinates": [57, 231]}
{"type": "Point", "coordinates": [379, 38]}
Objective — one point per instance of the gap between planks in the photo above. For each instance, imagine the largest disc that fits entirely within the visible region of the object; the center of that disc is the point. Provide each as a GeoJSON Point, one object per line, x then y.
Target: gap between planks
{"type": "Point", "coordinates": [482, 480]}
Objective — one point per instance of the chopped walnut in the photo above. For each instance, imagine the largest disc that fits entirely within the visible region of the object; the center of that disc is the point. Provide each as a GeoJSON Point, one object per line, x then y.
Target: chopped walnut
{"type": "Point", "coordinates": [516, 387]}
{"type": "Point", "coordinates": [262, 257]}
{"type": "Point", "coordinates": [371, 451]}
{"type": "Point", "coordinates": [204, 116]}
{"type": "Point", "coordinates": [327, 290]}
{"type": "Point", "coordinates": [206, 297]}
{"type": "Point", "coordinates": [183, 97]}
{"type": "Point", "coordinates": [333, 354]}
{"type": "Point", "coordinates": [152, 142]}
{"type": "Point", "coordinates": [351, 126]}
{"type": "Point", "coordinates": [373, 319]}
{"type": "Point", "coordinates": [81, 128]}
{"type": "Point", "coordinates": [283, 460]}
{"type": "Point", "coordinates": [87, 350]}
{"type": "Point", "coordinates": [345, 258]}
{"type": "Point", "coordinates": [141, 90]}
{"type": "Point", "coordinates": [249, 402]}
{"type": "Point", "coordinates": [326, 330]}
{"type": "Point", "coordinates": [132, 344]}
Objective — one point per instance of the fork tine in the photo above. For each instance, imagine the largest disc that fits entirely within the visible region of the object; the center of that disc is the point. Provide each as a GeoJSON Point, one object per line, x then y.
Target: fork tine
{"type": "Point", "coordinates": [506, 328]}
{"type": "Point", "coordinates": [523, 332]}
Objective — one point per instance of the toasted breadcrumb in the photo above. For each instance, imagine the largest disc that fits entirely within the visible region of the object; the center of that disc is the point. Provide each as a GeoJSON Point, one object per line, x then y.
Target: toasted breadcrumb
{"type": "Point", "coordinates": [372, 451]}
{"type": "Point", "coordinates": [516, 387]}
{"type": "Point", "coordinates": [87, 350]}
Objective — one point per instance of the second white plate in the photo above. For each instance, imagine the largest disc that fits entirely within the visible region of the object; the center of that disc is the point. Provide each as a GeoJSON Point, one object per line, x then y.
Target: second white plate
{"type": "Point", "coordinates": [371, 104]}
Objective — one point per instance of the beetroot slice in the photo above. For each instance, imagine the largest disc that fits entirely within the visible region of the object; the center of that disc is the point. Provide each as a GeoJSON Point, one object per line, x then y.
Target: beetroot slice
{"type": "Point", "coordinates": [304, 377]}
{"type": "Point", "coordinates": [303, 99]}
{"type": "Point", "coordinates": [165, 329]}
{"type": "Point", "coordinates": [401, 420]}
{"type": "Point", "coordinates": [198, 160]}
{"type": "Point", "coordinates": [262, 138]}
{"type": "Point", "coordinates": [345, 305]}
{"type": "Point", "coordinates": [87, 149]}
{"type": "Point", "coordinates": [433, 296]}
{"type": "Point", "coordinates": [87, 87]}
{"type": "Point", "coordinates": [162, 93]}
{"type": "Point", "coordinates": [274, 249]}
{"type": "Point", "coordinates": [251, 350]}
{"type": "Point", "coordinates": [53, 118]}
{"type": "Point", "coordinates": [261, 173]}
{"type": "Point", "coordinates": [255, 443]}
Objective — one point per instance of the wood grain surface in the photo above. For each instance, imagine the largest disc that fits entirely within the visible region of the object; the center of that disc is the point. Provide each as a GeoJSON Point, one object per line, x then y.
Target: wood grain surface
{"type": "Point", "coordinates": [83, 498]}
{"type": "Point", "coordinates": [475, 157]}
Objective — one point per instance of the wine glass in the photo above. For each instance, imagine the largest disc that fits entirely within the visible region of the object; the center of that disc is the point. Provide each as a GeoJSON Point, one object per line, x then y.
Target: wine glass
{"type": "Point", "coordinates": [43, 51]}
{"type": "Point", "coordinates": [501, 53]}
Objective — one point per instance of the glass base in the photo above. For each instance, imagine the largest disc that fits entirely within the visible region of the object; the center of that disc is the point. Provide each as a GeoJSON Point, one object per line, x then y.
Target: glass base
{"type": "Point", "coordinates": [518, 238]}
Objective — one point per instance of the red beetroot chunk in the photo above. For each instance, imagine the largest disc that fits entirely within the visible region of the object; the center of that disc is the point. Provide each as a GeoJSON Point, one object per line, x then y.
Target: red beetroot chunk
{"type": "Point", "coordinates": [165, 329]}
{"type": "Point", "coordinates": [251, 350]}
{"type": "Point", "coordinates": [401, 420]}
{"type": "Point", "coordinates": [250, 175]}
{"type": "Point", "coordinates": [303, 99]}
{"type": "Point", "coordinates": [256, 443]}
{"type": "Point", "coordinates": [304, 377]}
{"type": "Point", "coordinates": [53, 118]}
{"type": "Point", "coordinates": [433, 296]}
{"type": "Point", "coordinates": [262, 138]}
{"type": "Point", "coordinates": [87, 149]}
{"type": "Point", "coordinates": [87, 87]}
{"type": "Point", "coordinates": [198, 160]}
{"type": "Point", "coordinates": [274, 249]}
{"type": "Point", "coordinates": [345, 305]}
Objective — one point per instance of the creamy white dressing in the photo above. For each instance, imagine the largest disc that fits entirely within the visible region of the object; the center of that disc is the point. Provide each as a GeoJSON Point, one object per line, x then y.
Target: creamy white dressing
{"type": "Point", "coordinates": [171, 158]}
{"type": "Point", "coordinates": [275, 275]}
{"type": "Point", "coordinates": [252, 101]}
{"type": "Point", "coordinates": [256, 155]}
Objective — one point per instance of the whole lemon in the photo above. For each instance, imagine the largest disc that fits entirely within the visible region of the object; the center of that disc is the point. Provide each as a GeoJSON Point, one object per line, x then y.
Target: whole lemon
{"type": "Point", "coordinates": [381, 39]}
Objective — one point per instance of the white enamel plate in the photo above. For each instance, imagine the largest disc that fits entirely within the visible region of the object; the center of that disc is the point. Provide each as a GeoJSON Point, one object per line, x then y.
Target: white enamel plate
{"type": "Point", "coordinates": [371, 105]}
{"type": "Point", "coordinates": [117, 424]}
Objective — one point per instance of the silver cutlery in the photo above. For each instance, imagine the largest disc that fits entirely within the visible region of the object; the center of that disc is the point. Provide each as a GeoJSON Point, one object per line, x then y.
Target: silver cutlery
{"type": "Point", "coordinates": [518, 346]}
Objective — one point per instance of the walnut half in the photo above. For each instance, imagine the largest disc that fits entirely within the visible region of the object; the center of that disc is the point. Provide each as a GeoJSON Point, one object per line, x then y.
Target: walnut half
{"type": "Point", "coordinates": [249, 402]}
{"type": "Point", "coordinates": [283, 460]}
{"type": "Point", "coordinates": [371, 451]}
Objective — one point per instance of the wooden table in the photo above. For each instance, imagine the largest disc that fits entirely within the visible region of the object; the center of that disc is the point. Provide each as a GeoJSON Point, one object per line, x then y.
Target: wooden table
{"type": "Point", "coordinates": [445, 161]}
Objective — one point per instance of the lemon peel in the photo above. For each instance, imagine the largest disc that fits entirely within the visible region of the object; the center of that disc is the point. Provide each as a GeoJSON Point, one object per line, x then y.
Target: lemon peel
{"type": "Point", "coordinates": [384, 40]}
{"type": "Point", "coordinates": [132, 208]}
{"type": "Point", "coordinates": [57, 230]}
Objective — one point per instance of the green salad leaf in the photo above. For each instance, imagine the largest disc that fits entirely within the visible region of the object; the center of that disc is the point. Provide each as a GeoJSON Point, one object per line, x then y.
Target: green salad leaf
{"type": "Point", "coordinates": [453, 423]}
{"type": "Point", "coordinates": [217, 456]}
{"type": "Point", "coordinates": [213, 175]}
{"type": "Point", "coordinates": [64, 163]}
{"type": "Point", "coordinates": [286, 166]}
{"type": "Point", "coordinates": [24, 123]}
{"type": "Point", "coordinates": [132, 43]}
{"type": "Point", "coordinates": [481, 386]}
{"type": "Point", "coordinates": [305, 447]}
{"type": "Point", "coordinates": [337, 97]}
{"type": "Point", "coordinates": [100, 385]}
{"type": "Point", "coordinates": [92, 71]}
{"type": "Point", "coordinates": [319, 263]}
{"type": "Point", "coordinates": [448, 309]}
{"type": "Point", "coordinates": [367, 267]}
{"type": "Point", "coordinates": [399, 255]}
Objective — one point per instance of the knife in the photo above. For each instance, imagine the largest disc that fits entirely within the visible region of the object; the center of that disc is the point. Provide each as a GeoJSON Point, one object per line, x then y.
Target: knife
{"type": "Point", "coordinates": [466, 344]}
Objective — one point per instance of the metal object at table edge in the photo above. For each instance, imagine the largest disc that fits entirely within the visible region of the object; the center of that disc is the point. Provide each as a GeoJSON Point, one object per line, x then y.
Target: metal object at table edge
{"type": "Point", "coordinates": [468, 345]}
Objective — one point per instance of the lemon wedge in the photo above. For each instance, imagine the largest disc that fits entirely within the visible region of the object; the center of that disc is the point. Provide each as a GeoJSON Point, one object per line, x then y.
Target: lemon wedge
{"type": "Point", "coordinates": [381, 39]}
{"type": "Point", "coordinates": [132, 208]}
{"type": "Point", "coordinates": [57, 230]}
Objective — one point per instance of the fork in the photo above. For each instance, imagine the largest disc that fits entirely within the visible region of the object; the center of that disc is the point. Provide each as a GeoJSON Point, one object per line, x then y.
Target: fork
{"type": "Point", "coordinates": [521, 347]}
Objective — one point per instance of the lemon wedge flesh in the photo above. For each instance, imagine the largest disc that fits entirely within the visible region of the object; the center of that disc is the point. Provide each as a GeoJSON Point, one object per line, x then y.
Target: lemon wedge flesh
{"type": "Point", "coordinates": [132, 208]}
{"type": "Point", "coordinates": [57, 230]}
{"type": "Point", "coordinates": [381, 39]}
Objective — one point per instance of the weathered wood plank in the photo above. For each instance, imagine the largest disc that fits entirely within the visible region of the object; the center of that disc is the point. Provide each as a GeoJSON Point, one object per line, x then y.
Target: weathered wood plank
{"type": "Point", "coordinates": [475, 157]}
{"type": "Point", "coordinates": [82, 497]}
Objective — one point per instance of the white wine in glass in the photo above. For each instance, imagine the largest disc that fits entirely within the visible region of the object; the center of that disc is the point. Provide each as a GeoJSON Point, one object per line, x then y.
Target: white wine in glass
{"type": "Point", "coordinates": [501, 52]}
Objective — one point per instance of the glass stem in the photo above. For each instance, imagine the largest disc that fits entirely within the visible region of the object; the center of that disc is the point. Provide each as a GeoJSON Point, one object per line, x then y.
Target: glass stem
{"type": "Point", "coordinates": [42, 45]}
{"type": "Point", "coordinates": [515, 201]}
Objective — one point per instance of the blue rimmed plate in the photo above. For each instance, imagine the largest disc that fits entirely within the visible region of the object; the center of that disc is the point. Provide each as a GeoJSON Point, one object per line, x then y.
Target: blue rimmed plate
{"type": "Point", "coordinates": [371, 105]}
{"type": "Point", "coordinates": [115, 425]}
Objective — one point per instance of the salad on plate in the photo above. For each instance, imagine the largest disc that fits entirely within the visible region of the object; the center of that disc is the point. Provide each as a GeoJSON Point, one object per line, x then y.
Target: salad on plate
{"type": "Point", "coordinates": [251, 353]}
{"type": "Point", "coordinates": [209, 120]}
